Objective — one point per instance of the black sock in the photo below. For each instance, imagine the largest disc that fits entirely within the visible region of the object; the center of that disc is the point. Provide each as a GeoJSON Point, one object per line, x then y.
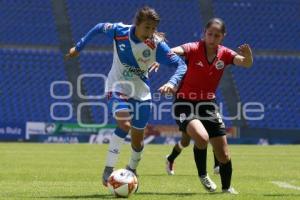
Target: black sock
{"type": "Point", "coordinates": [216, 161]}
{"type": "Point", "coordinates": [200, 160]}
{"type": "Point", "coordinates": [225, 173]}
{"type": "Point", "coordinates": [175, 152]}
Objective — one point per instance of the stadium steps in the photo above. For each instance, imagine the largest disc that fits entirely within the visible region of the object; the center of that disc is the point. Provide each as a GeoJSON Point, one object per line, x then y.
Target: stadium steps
{"type": "Point", "coordinates": [72, 66]}
{"type": "Point", "coordinates": [226, 93]}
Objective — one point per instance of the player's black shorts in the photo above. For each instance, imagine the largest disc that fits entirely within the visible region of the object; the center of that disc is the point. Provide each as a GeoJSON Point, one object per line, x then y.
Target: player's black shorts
{"type": "Point", "coordinates": [206, 111]}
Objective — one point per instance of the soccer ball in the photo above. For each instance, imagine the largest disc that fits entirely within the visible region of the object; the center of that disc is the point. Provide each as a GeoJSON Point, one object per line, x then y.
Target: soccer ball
{"type": "Point", "coordinates": [122, 183]}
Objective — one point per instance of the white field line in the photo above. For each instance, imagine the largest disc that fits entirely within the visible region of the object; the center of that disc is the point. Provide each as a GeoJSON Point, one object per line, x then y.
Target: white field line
{"type": "Point", "coordinates": [285, 185]}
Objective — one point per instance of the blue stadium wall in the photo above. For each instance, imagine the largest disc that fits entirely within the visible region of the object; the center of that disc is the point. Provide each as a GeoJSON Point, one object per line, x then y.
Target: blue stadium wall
{"type": "Point", "coordinates": [32, 59]}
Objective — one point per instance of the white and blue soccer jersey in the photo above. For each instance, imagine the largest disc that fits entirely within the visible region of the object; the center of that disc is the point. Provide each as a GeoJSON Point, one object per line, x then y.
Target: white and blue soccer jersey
{"type": "Point", "coordinates": [133, 58]}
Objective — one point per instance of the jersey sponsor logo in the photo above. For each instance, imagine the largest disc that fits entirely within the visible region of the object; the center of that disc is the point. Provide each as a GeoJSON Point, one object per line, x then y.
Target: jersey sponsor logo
{"type": "Point", "coordinates": [130, 70]}
{"type": "Point", "coordinates": [220, 64]}
{"type": "Point", "coordinates": [107, 27]}
{"type": "Point", "coordinates": [199, 63]}
{"type": "Point", "coordinates": [182, 117]}
{"type": "Point", "coordinates": [146, 53]}
{"type": "Point", "coordinates": [127, 74]}
{"type": "Point", "coordinates": [121, 37]}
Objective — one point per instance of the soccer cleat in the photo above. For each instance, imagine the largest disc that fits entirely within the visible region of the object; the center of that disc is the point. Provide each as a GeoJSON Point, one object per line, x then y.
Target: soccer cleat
{"type": "Point", "coordinates": [132, 170]}
{"type": "Point", "coordinates": [135, 173]}
{"type": "Point", "coordinates": [217, 170]}
{"type": "Point", "coordinates": [169, 167]}
{"type": "Point", "coordinates": [231, 190]}
{"type": "Point", "coordinates": [106, 174]}
{"type": "Point", "coordinates": [207, 183]}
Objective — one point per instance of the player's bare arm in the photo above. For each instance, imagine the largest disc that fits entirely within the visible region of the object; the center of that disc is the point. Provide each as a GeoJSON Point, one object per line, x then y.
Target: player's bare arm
{"type": "Point", "coordinates": [178, 50]}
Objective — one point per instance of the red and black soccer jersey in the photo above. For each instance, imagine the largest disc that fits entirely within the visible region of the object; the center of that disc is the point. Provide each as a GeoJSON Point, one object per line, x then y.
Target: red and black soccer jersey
{"type": "Point", "coordinates": [202, 78]}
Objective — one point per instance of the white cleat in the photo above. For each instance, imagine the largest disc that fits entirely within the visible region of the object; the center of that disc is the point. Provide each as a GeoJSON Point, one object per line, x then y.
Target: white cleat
{"type": "Point", "coordinates": [208, 184]}
{"type": "Point", "coordinates": [231, 190]}
{"type": "Point", "coordinates": [169, 167]}
{"type": "Point", "coordinates": [217, 170]}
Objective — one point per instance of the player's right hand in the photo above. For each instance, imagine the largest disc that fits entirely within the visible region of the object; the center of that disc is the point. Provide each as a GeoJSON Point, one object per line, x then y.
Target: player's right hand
{"type": "Point", "coordinates": [168, 88]}
{"type": "Point", "coordinates": [72, 53]}
{"type": "Point", "coordinates": [154, 66]}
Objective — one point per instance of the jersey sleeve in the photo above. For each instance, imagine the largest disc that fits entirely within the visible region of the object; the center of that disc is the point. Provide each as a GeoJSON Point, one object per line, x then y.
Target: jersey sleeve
{"type": "Point", "coordinates": [187, 48]}
{"type": "Point", "coordinates": [101, 28]}
{"type": "Point", "coordinates": [229, 56]}
{"type": "Point", "coordinates": [164, 55]}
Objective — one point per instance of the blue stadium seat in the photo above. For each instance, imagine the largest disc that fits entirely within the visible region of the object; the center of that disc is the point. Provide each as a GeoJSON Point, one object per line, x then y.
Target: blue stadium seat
{"type": "Point", "coordinates": [263, 24]}
{"type": "Point", "coordinates": [274, 82]}
{"type": "Point", "coordinates": [28, 75]}
{"type": "Point", "coordinates": [27, 22]}
{"type": "Point", "coordinates": [175, 20]}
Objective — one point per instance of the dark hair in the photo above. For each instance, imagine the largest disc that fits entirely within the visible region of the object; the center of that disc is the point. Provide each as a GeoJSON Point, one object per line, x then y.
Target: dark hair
{"type": "Point", "coordinates": [148, 13]}
{"type": "Point", "coordinates": [217, 21]}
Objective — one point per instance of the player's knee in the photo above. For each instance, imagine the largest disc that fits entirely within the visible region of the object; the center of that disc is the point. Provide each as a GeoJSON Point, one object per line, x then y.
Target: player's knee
{"type": "Point", "coordinates": [203, 140]}
{"type": "Point", "coordinates": [201, 145]}
{"type": "Point", "coordinates": [125, 126]}
{"type": "Point", "coordinates": [224, 157]}
{"type": "Point", "coordinates": [185, 144]}
{"type": "Point", "coordinates": [137, 146]}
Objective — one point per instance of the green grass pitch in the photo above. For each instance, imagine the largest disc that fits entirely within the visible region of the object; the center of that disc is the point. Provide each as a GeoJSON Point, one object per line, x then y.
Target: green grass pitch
{"type": "Point", "coordinates": [62, 171]}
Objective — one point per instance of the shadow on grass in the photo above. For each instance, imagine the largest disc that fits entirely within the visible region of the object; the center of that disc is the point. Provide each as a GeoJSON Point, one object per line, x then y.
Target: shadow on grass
{"type": "Point", "coordinates": [167, 175]}
{"type": "Point", "coordinates": [282, 195]}
{"type": "Point", "coordinates": [92, 196]}
{"type": "Point", "coordinates": [108, 196]}
{"type": "Point", "coordinates": [179, 194]}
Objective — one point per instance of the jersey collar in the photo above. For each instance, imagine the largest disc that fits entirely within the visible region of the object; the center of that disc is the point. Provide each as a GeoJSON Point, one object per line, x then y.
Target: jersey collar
{"type": "Point", "coordinates": [133, 36]}
{"type": "Point", "coordinates": [205, 52]}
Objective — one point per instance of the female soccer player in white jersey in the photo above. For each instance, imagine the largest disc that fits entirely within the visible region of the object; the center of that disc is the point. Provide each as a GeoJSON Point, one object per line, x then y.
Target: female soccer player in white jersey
{"type": "Point", "coordinates": [136, 48]}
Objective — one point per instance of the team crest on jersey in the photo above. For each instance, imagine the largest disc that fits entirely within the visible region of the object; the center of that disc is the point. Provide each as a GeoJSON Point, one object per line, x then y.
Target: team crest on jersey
{"type": "Point", "coordinates": [107, 27]}
{"type": "Point", "coordinates": [146, 53]}
{"type": "Point", "coordinates": [220, 64]}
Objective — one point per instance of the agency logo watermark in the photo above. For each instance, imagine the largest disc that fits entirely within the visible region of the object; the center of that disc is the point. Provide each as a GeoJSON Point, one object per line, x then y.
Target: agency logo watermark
{"type": "Point", "coordinates": [161, 105]}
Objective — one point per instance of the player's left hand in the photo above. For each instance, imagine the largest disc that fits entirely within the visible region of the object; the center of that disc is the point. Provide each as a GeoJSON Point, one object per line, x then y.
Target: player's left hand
{"type": "Point", "coordinates": [154, 66]}
{"type": "Point", "coordinates": [168, 88]}
{"type": "Point", "coordinates": [245, 50]}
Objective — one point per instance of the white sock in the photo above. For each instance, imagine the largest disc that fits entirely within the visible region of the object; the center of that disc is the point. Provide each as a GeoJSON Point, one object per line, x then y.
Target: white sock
{"type": "Point", "coordinates": [135, 158]}
{"type": "Point", "coordinates": [114, 150]}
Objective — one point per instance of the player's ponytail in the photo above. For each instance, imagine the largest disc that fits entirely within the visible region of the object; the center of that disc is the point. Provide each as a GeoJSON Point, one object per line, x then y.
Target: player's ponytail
{"type": "Point", "coordinates": [148, 13]}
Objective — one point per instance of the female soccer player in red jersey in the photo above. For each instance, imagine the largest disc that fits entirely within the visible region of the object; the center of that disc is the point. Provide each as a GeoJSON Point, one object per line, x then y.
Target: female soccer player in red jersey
{"type": "Point", "coordinates": [195, 109]}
